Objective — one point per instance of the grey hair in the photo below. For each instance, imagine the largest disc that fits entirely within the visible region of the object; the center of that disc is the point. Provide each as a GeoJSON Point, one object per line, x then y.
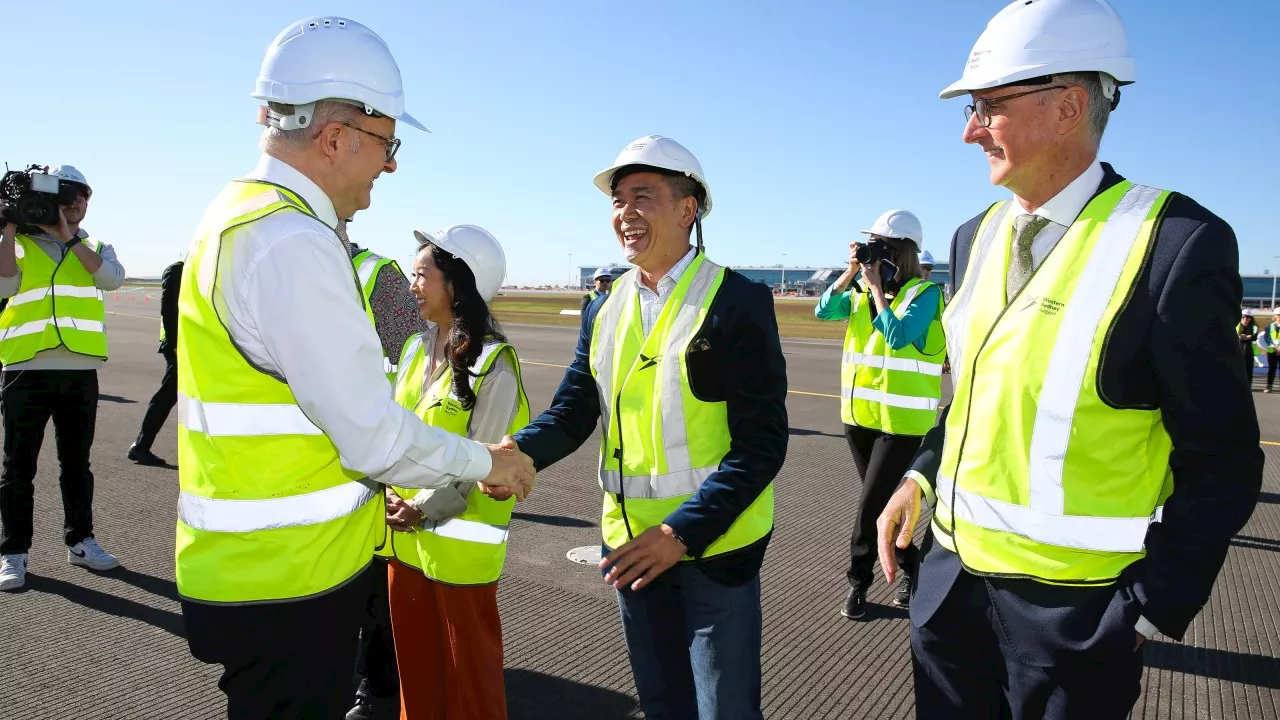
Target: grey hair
{"type": "Point", "coordinates": [326, 111]}
{"type": "Point", "coordinates": [1099, 110]}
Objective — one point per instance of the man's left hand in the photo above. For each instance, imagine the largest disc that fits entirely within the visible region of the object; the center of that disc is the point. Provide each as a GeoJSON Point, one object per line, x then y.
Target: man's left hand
{"type": "Point", "coordinates": [642, 560]}
{"type": "Point", "coordinates": [62, 231]}
{"type": "Point", "coordinates": [401, 516]}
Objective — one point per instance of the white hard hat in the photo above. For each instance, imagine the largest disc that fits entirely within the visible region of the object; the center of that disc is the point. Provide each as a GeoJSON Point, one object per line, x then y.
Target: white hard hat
{"type": "Point", "coordinates": [660, 152]}
{"type": "Point", "coordinates": [68, 173]}
{"type": "Point", "coordinates": [926, 258]}
{"type": "Point", "coordinates": [1246, 312]}
{"type": "Point", "coordinates": [900, 224]}
{"type": "Point", "coordinates": [330, 58]}
{"type": "Point", "coordinates": [475, 247]}
{"type": "Point", "coordinates": [602, 272]}
{"type": "Point", "coordinates": [1032, 38]}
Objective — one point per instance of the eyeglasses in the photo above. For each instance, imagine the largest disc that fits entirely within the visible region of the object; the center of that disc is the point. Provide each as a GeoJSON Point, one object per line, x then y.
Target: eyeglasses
{"type": "Point", "coordinates": [390, 145]}
{"type": "Point", "coordinates": [982, 106]}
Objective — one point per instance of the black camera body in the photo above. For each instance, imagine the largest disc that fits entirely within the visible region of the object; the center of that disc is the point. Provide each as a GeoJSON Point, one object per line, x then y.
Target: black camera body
{"type": "Point", "coordinates": [873, 251]}
{"type": "Point", "coordinates": [34, 196]}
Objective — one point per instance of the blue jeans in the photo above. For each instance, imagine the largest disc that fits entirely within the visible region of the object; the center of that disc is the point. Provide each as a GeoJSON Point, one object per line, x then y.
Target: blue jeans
{"type": "Point", "coordinates": [694, 646]}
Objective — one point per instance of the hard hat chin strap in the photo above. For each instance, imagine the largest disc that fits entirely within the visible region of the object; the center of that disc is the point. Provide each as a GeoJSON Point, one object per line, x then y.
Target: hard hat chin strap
{"type": "Point", "coordinates": [697, 224]}
{"type": "Point", "coordinates": [297, 117]}
{"type": "Point", "coordinates": [1110, 90]}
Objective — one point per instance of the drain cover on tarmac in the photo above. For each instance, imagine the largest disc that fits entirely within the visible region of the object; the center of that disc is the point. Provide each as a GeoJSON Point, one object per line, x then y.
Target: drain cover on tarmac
{"type": "Point", "coordinates": [585, 555]}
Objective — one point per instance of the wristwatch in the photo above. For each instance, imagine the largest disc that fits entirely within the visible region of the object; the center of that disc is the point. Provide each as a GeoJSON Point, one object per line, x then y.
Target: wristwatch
{"type": "Point", "coordinates": [74, 241]}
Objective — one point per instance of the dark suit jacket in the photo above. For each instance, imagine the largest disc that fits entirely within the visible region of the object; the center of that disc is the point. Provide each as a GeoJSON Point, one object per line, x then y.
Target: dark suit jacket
{"type": "Point", "coordinates": [742, 365]}
{"type": "Point", "coordinates": [1172, 347]}
{"type": "Point", "coordinates": [170, 284]}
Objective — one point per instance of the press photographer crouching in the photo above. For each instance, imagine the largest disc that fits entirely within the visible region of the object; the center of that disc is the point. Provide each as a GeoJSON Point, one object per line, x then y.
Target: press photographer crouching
{"type": "Point", "coordinates": [890, 378]}
{"type": "Point", "coordinates": [52, 342]}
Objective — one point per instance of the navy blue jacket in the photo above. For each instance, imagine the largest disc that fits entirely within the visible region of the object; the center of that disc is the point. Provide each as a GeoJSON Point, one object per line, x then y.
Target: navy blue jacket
{"type": "Point", "coordinates": [1172, 347]}
{"type": "Point", "coordinates": [740, 364]}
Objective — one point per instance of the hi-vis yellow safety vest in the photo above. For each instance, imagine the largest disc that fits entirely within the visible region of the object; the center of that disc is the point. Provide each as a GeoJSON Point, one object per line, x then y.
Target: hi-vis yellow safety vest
{"type": "Point", "coordinates": [57, 304]}
{"type": "Point", "coordinates": [367, 266]}
{"type": "Point", "coordinates": [660, 441]}
{"type": "Point", "coordinates": [468, 549]}
{"type": "Point", "coordinates": [266, 511]}
{"type": "Point", "coordinates": [1040, 477]}
{"type": "Point", "coordinates": [893, 391]}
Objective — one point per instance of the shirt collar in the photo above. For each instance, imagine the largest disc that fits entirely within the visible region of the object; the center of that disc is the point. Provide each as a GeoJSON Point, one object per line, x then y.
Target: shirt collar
{"type": "Point", "coordinates": [1063, 208]}
{"type": "Point", "coordinates": [677, 270]}
{"type": "Point", "coordinates": [279, 172]}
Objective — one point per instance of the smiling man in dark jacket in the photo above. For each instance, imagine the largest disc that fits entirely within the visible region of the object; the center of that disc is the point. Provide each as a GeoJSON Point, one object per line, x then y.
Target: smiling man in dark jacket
{"type": "Point", "coordinates": [682, 365]}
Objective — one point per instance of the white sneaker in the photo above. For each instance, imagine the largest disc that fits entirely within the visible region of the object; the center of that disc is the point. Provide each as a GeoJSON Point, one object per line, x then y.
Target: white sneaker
{"type": "Point", "coordinates": [13, 571]}
{"type": "Point", "coordinates": [90, 554]}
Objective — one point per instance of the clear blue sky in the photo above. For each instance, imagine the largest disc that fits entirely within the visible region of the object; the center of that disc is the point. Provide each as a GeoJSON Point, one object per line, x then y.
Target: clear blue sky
{"type": "Point", "coordinates": [810, 118]}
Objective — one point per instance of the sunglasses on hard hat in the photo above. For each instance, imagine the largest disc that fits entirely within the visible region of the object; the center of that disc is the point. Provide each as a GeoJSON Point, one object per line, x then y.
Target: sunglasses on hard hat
{"type": "Point", "coordinates": [390, 145]}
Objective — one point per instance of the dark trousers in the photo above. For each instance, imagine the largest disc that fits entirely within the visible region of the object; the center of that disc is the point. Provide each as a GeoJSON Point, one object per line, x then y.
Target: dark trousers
{"type": "Point", "coordinates": [376, 657]}
{"type": "Point", "coordinates": [284, 660]}
{"type": "Point", "coordinates": [694, 645]}
{"type": "Point", "coordinates": [881, 460]}
{"type": "Point", "coordinates": [28, 399]}
{"type": "Point", "coordinates": [1247, 350]}
{"type": "Point", "coordinates": [161, 403]}
{"type": "Point", "coordinates": [1273, 364]}
{"type": "Point", "coordinates": [1007, 648]}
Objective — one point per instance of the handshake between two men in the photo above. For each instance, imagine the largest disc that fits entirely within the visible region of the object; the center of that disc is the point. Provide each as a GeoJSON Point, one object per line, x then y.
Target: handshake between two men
{"type": "Point", "coordinates": [512, 474]}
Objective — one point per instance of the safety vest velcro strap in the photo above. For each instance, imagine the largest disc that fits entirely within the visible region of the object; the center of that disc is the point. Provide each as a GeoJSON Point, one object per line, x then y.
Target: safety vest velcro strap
{"type": "Point", "coordinates": [655, 487]}
{"type": "Point", "coordinates": [893, 363]}
{"type": "Point", "coordinates": [243, 419]}
{"type": "Point", "coordinates": [66, 323]}
{"type": "Point", "coordinates": [1083, 532]}
{"type": "Point", "coordinates": [241, 516]}
{"type": "Point", "coordinates": [469, 530]}
{"type": "Point", "coordinates": [902, 401]}
{"type": "Point", "coordinates": [66, 291]}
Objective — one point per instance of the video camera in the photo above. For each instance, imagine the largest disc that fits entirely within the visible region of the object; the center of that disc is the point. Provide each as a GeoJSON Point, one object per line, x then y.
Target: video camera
{"type": "Point", "coordinates": [34, 195]}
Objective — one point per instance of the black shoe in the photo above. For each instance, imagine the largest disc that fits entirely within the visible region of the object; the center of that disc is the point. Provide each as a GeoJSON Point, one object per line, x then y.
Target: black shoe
{"type": "Point", "coordinates": [902, 596]}
{"type": "Point", "coordinates": [145, 457]}
{"type": "Point", "coordinates": [363, 709]}
{"type": "Point", "coordinates": [855, 604]}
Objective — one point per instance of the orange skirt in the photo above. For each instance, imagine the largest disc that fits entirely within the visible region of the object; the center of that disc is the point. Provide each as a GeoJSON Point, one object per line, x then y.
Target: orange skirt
{"type": "Point", "coordinates": [448, 648]}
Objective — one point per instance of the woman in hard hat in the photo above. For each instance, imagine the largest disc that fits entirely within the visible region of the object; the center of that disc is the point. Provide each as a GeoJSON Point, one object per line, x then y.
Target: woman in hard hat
{"type": "Point", "coordinates": [1247, 331]}
{"type": "Point", "coordinates": [1269, 341]}
{"type": "Point", "coordinates": [450, 543]}
{"type": "Point", "coordinates": [891, 379]}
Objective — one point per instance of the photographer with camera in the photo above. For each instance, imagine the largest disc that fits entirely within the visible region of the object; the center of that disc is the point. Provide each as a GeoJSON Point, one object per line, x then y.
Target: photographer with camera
{"type": "Point", "coordinates": [52, 342]}
{"type": "Point", "coordinates": [890, 378]}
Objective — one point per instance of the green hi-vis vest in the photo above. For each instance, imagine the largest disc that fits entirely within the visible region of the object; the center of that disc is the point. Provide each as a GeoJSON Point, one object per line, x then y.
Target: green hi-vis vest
{"type": "Point", "coordinates": [593, 295]}
{"type": "Point", "coordinates": [367, 266]}
{"type": "Point", "coordinates": [467, 549]}
{"type": "Point", "coordinates": [266, 511]}
{"type": "Point", "coordinates": [1040, 477]}
{"type": "Point", "coordinates": [893, 391]}
{"type": "Point", "coordinates": [660, 441]}
{"type": "Point", "coordinates": [57, 304]}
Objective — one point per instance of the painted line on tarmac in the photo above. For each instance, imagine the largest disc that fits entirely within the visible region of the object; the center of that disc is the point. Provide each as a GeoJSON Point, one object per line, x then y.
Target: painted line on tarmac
{"type": "Point", "coordinates": [1268, 442]}
{"type": "Point", "coordinates": [144, 317]}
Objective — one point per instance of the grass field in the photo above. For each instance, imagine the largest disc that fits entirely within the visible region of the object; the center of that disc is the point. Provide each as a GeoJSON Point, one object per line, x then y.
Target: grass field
{"type": "Point", "coordinates": [795, 315]}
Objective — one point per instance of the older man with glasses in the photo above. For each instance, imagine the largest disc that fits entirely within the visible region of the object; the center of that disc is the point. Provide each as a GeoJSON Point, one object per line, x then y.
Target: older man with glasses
{"type": "Point", "coordinates": [1101, 449]}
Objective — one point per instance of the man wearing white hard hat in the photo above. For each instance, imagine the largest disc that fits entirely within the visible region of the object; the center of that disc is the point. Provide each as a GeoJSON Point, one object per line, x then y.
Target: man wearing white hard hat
{"type": "Point", "coordinates": [287, 424]}
{"type": "Point", "coordinates": [600, 284]}
{"type": "Point", "coordinates": [1101, 448]}
{"type": "Point", "coordinates": [926, 265]}
{"type": "Point", "coordinates": [681, 360]}
{"type": "Point", "coordinates": [1269, 341]}
{"type": "Point", "coordinates": [890, 381]}
{"type": "Point", "coordinates": [53, 340]}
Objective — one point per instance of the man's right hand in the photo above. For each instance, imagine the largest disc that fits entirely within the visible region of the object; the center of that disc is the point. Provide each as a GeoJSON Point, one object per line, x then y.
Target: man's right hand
{"type": "Point", "coordinates": [10, 230]}
{"type": "Point", "coordinates": [897, 524]}
{"type": "Point", "coordinates": [512, 472]}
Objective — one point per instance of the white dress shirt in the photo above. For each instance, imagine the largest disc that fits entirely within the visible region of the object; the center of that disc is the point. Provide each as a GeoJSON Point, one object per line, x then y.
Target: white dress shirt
{"type": "Point", "coordinates": [1062, 210]}
{"type": "Point", "coordinates": [294, 310]}
{"type": "Point", "coordinates": [109, 276]}
{"type": "Point", "coordinates": [651, 303]}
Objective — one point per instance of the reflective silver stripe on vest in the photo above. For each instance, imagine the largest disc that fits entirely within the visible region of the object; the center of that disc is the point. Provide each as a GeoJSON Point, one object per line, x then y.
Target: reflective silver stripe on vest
{"type": "Point", "coordinates": [655, 487]}
{"type": "Point", "coordinates": [681, 478]}
{"type": "Point", "coordinates": [908, 402]}
{"type": "Point", "coordinates": [243, 419]}
{"type": "Point", "coordinates": [893, 363]}
{"type": "Point", "coordinates": [240, 516]}
{"type": "Point", "coordinates": [469, 530]}
{"type": "Point", "coordinates": [1099, 534]}
{"type": "Point", "coordinates": [41, 293]}
{"type": "Point", "coordinates": [1060, 393]}
{"type": "Point", "coordinates": [65, 323]}
{"type": "Point", "coordinates": [956, 316]}
{"type": "Point", "coordinates": [367, 266]}
{"type": "Point", "coordinates": [387, 366]}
